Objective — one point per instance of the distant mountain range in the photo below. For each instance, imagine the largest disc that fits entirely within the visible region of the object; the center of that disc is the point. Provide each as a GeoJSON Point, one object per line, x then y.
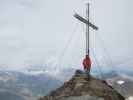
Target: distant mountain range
{"type": "Point", "coordinates": [5, 95]}
{"type": "Point", "coordinates": [25, 86]}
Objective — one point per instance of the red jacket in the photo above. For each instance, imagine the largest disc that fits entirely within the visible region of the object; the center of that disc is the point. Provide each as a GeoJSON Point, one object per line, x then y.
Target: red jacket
{"type": "Point", "coordinates": [87, 63]}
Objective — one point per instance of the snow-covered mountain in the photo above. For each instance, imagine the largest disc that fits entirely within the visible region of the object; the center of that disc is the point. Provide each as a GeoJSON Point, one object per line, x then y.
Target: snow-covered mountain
{"type": "Point", "coordinates": [121, 82]}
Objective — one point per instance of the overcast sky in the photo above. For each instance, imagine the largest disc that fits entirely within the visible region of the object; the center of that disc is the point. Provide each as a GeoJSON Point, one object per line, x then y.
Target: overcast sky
{"type": "Point", "coordinates": [39, 31]}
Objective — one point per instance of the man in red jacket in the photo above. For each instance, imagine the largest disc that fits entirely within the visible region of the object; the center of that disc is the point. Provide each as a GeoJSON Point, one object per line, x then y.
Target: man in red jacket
{"type": "Point", "coordinates": [87, 64]}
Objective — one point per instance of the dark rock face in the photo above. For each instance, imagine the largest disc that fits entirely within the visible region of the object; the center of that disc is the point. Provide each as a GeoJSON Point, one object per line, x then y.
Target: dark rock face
{"type": "Point", "coordinates": [80, 87]}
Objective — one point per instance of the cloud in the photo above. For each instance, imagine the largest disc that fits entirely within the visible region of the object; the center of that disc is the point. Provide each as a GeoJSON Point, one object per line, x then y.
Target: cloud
{"type": "Point", "coordinates": [37, 31]}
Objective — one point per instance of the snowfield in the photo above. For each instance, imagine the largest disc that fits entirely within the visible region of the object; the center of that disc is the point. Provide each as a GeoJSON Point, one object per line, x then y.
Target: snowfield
{"type": "Point", "coordinates": [130, 98]}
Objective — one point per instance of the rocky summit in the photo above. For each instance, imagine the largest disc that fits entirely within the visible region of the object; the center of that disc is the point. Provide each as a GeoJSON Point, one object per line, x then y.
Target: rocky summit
{"type": "Point", "coordinates": [82, 87]}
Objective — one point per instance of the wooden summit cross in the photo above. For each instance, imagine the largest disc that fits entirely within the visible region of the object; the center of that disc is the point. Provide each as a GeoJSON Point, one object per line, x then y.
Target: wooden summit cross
{"type": "Point", "coordinates": [88, 25]}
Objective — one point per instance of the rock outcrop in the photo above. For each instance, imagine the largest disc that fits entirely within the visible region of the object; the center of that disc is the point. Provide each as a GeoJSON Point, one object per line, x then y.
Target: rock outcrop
{"type": "Point", "coordinates": [80, 87]}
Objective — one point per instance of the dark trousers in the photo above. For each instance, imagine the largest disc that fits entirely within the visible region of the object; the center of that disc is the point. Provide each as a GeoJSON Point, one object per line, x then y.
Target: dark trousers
{"type": "Point", "coordinates": [87, 72]}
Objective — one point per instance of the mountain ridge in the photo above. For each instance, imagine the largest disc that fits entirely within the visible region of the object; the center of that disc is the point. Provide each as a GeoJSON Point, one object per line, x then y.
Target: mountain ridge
{"type": "Point", "coordinates": [80, 86]}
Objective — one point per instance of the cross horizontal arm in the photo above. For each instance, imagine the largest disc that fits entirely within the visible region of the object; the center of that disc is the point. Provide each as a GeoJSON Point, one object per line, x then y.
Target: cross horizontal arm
{"type": "Point", "coordinates": [85, 21]}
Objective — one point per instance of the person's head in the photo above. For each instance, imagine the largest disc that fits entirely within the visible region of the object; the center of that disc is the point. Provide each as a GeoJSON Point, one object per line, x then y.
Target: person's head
{"type": "Point", "coordinates": [87, 56]}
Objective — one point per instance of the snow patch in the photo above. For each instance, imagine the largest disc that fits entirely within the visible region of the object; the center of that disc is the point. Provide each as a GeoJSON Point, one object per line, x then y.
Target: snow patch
{"type": "Point", "coordinates": [120, 82]}
{"type": "Point", "coordinates": [130, 98]}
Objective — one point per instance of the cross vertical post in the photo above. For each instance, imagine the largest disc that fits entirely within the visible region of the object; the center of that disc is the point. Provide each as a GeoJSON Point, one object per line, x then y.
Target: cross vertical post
{"type": "Point", "coordinates": [87, 30]}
